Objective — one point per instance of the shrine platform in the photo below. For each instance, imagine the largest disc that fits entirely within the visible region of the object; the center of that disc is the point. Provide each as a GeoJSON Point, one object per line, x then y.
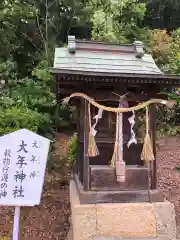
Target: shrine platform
{"type": "Point", "coordinates": [121, 221]}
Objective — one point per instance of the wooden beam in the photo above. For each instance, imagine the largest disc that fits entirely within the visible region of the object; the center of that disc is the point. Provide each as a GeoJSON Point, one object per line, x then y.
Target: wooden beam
{"type": "Point", "coordinates": [71, 76]}
{"type": "Point", "coordinates": [152, 130]}
{"type": "Point", "coordinates": [127, 76]}
{"type": "Point", "coordinates": [86, 140]}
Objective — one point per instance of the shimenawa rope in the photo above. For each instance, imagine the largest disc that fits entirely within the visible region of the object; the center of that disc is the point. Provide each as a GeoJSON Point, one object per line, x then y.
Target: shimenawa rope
{"type": "Point", "coordinates": [169, 103]}
{"type": "Point", "coordinates": [147, 152]}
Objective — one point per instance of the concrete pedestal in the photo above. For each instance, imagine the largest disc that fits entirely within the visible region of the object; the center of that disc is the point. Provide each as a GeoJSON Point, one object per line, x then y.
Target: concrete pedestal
{"type": "Point", "coordinates": [118, 221]}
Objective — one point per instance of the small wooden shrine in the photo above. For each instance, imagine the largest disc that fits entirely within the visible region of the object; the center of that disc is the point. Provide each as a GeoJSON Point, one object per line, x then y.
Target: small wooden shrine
{"type": "Point", "coordinates": [110, 84]}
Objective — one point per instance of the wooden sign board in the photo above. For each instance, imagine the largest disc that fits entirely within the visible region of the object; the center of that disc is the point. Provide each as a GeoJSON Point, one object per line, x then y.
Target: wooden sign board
{"type": "Point", "coordinates": [23, 158]}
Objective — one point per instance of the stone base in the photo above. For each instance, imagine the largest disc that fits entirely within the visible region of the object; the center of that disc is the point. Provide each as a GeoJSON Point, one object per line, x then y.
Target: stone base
{"type": "Point", "coordinates": [120, 196]}
{"type": "Point", "coordinates": [120, 221]}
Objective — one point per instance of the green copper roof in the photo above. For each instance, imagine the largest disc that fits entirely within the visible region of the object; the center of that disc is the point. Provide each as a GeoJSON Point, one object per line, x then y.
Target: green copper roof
{"type": "Point", "coordinates": [99, 57]}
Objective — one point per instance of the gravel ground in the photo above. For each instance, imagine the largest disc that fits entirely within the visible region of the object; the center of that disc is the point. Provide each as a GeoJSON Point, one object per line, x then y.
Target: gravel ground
{"type": "Point", "coordinates": [168, 158]}
{"type": "Point", "coordinates": [50, 219]}
{"type": "Point", "coordinates": [47, 221]}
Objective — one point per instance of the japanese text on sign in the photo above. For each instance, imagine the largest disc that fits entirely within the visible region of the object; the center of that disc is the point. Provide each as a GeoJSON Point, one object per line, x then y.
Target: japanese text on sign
{"type": "Point", "coordinates": [22, 167]}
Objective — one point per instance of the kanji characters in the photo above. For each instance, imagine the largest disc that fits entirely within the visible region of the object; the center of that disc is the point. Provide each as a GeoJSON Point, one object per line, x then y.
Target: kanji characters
{"type": "Point", "coordinates": [33, 174]}
{"type": "Point", "coordinates": [22, 147]}
{"type": "Point", "coordinates": [7, 156]}
{"type": "Point", "coordinates": [3, 193]}
{"type": "Point", "coordinates": [35, 144]}
{"type": "Point", "coordinates": [21, 161]}
{"type": "Point", "coordinates": [27, 156]}
{"type": "Point", "coordinates": [19, 176]}
{"type": "Point", "coordinates": [18, 192]}
{"type": "Point", "coordinates": [33, 159]}
{"type": "Point", "coordinates": [5, 170]}
{"type": "Point", "coordinates": [7, 153]}
{"type": "Point", "coordinates": [4, 178]}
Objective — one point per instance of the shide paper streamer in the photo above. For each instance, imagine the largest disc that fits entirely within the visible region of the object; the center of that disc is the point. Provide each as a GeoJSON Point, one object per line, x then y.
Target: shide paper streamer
{"type": "Point", "coordinates": [133, 136]}
{"type": "Point", "coordinates": [97, 117]}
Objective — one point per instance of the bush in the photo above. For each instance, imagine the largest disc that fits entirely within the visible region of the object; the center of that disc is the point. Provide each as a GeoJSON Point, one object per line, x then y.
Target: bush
{"type": "Point", "coordinates": [168, 119]}
{"type": "Point", "coordinates": [72, 151]}
{"type": "Point", "coordinates": [15, 118]}
{"type": "Point", "coordinates": [24, 102]}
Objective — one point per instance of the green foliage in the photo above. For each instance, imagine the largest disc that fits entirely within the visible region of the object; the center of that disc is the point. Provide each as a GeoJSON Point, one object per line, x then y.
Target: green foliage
{"type": "Point", "coordinates": [31, 29]}
{"type": "Point", "coordinates": [168, 119]}
{"type": "Point", "coordinates": [116, 21]}
{"type": "Point", "coordinates": [15, 118]}
{"type": "Point", "coordinates": [24, 103]}
{"type": "Point", "coordinates": [8, 71]}
{"type": "Point", "coordinates": [72, 150]}
{"type": "Point", "coordinates": [64, 116]}
{"type": "Point", "coordinates": [163, 14]}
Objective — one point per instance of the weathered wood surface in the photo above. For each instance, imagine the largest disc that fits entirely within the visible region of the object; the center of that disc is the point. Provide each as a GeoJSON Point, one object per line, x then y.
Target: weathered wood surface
{"type": "Point", "coordinates": [105, 147]}
{"type": "Point", "coordinates": [86, 158]}
{"type": "Point", "coordinates": [91, 197]}
{"type": "Point", "coordinates": [103, 178]}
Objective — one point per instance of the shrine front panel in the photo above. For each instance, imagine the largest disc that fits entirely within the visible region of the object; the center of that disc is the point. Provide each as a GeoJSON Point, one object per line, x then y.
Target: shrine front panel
{"type": "Point", "coordinates": [131, 155]}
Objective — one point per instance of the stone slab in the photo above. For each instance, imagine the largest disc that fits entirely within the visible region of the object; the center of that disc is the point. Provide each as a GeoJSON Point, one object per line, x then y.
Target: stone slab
{"type": "Point", "coordinates": [126, 219]}
{"type": "Point", "coordinates": [70, 234]}
{"type": "Point", "coordinates": [122, 238]}
{"type": "Point", "coordinates": [165, 217]}
{"type": "Point", "coordinates": [83, 217]}
{"type": "Point", "coordinates": [178, 232]}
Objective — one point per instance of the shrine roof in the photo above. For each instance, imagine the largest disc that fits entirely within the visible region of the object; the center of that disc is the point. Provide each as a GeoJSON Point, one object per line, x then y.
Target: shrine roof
{"type": "Point", "coordinates": [93, 57]}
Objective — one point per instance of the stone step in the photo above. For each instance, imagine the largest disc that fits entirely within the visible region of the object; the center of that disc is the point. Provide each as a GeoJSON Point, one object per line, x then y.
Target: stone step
{"type": "Point", "coordinates": [133, 238]}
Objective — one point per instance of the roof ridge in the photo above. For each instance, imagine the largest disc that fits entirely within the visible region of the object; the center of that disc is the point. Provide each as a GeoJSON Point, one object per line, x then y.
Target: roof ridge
{"type": "Point", "coordinates": [75, 44]}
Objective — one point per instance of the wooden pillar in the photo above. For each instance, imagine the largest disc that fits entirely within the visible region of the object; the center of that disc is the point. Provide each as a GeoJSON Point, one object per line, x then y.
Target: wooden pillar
{"type": "Point", "coordinates": [78, 156]}
{"type": "Point", "coordinates": [86, 157]}
{"type": "Point", "coordinates": [152, 126]}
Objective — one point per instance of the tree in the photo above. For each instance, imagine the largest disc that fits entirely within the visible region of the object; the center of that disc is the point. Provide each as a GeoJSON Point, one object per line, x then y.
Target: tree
{"type": "Point", "coordinates": [115, 20]}
{"type": "Point", "coordinates": [163, 14]}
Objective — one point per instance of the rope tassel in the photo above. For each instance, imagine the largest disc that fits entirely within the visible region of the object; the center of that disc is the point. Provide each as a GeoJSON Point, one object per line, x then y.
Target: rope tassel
{"type": "Point", "coordinates": [115, 152]}
{"type": "Point", "coordinates": [147, 152]}
{"type": "Point", "coordinates": [117, 158]}
{"type": "Point", "coordinates": [92, 147]}
{"type": "Point", "coordinates": [115, 155]}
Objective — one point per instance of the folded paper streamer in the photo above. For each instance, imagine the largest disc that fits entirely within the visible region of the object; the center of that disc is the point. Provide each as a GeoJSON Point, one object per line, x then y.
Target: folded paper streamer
{"type": "Point", "coordinates": [92, 147]}
{"type": "Point", "coordinates": [133, 136]}
{"type": "Point", "coordinates": [97, 117]}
